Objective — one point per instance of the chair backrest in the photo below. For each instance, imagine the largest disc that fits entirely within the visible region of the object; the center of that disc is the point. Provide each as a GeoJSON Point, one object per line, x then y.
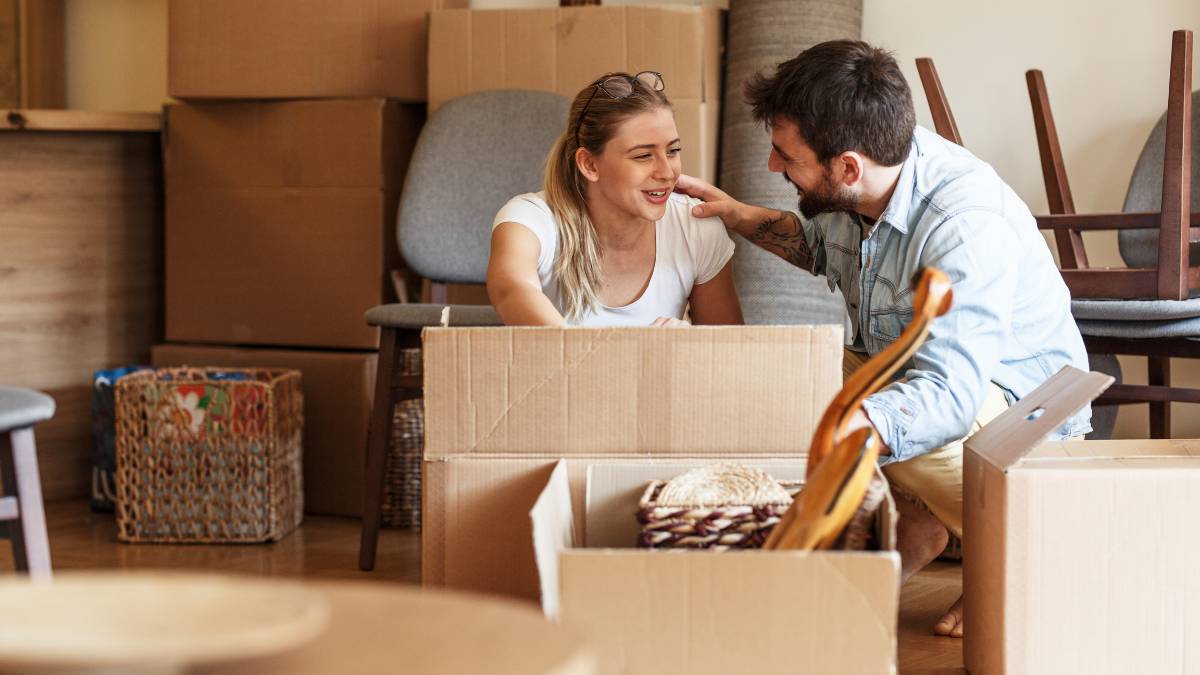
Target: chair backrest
{"type": "Point", "coordinates": [474, 154]}
{"type": "Point", "coordinates": [1139, 248]}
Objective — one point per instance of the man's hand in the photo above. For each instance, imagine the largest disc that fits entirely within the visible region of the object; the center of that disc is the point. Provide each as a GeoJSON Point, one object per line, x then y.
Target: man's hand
{"type": "Point", "coordinates": [740, 217]}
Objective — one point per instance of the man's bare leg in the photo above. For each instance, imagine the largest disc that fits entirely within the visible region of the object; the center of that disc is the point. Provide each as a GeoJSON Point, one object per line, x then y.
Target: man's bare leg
{"type": "Point", "coordinates": [920, 538]}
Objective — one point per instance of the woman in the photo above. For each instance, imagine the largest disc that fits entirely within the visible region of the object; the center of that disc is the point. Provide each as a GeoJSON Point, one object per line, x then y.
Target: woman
{"type": "Point", "coordinates": [607, 242]}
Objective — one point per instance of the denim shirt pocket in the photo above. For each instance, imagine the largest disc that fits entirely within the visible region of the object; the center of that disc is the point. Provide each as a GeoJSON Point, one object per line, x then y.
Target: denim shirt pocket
{"type": "Point", "coordinates": [887, 324]}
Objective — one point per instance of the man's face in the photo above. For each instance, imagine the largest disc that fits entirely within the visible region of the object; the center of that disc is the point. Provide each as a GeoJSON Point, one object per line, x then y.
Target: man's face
{"type": "Point", "coordinates": [819, 189]}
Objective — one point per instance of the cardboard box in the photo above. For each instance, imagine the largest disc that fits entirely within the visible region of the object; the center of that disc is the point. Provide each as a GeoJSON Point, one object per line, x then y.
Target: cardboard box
{"type": "Point", "coordinates": [1079, 557]}
{"type": "Point", "coordinates": [502, 405]}
{"type": "Point", "coordinates": [652, 611]}
{"type": "Point", "coordinates": [563, 49]}
{"type": "Point", "coordinates": [289, 49]}
{"type": "Point", "coordinates": [704, 390]}
{"type": "Point", "coordinates": [338, 391]}
{"type": "Point", "coordinates": [281, 219]}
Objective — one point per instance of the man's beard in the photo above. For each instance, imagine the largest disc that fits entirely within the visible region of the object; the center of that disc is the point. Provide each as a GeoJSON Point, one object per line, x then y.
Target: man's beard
{"type": "Point", "coordinates": [826, 197]}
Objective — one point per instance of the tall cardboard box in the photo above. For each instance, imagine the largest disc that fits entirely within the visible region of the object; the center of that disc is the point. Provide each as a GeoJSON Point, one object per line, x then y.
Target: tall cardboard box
{"type": "Point", "coordinates": [502, 405]}
{"type": "Point", "coordinates": [564, 49]}
{"type": "Point", "coordinates": [281, 219]}
{"type": "Point", "coordinates": [338, 390]}
{"type": "Point", "coordinates": [762, 612]}
{"type": "Point", "coordinates": [1079, 556]}
{"type": "Point", "coordinates": [235, 49]}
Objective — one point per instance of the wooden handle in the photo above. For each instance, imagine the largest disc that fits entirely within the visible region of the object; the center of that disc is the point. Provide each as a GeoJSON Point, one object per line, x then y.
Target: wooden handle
{"type": "Point", "coordinates": [845, 446]}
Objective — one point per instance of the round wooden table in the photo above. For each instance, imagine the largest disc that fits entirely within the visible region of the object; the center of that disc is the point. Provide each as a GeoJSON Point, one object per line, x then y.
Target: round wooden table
{"type": "Point", "coordinates": [207, 623]}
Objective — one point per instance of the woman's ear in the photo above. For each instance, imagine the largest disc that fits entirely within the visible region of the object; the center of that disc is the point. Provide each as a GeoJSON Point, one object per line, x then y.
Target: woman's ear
{"type": "Point", "coordinates": [586, 162]}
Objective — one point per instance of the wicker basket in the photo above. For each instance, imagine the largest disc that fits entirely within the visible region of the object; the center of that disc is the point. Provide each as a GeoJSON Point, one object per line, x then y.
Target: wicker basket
{"type": "Point", "coordinates": [705, 516]}
{"type": "Point", "coordinates": [209, 455]}
{"type": "Point", "coordinates": [745, 524]}
{"type": "Point", "coordinates": [402, 485]}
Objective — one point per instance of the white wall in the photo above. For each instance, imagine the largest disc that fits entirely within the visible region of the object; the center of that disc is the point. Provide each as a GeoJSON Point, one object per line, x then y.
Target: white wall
{"type": "Point", "coordinates": [116, 54]}
{"type": "Point", "coordinates": [1106, 67]}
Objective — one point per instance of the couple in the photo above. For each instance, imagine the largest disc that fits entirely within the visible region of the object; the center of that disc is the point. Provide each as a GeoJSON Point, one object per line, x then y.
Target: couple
{"type": "Point", "coordinates": [610, 242]}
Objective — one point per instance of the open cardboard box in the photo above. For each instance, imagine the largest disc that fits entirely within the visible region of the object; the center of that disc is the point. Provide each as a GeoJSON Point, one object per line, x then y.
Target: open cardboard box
{"type": "Point", "coordinates": [1079, 556]}
{"type": "Point", "coordinates": [671, 611]}
{"type": "Point", "coordinates": [503, 405]}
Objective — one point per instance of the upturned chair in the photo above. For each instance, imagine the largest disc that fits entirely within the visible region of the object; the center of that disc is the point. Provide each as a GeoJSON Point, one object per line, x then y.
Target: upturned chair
{"type": "Point", "coordinates": [474, 154]}
{"type": "Point", "coordinates": [22, 516]}
{"type": "Point", "coordinates": [1149, 308]}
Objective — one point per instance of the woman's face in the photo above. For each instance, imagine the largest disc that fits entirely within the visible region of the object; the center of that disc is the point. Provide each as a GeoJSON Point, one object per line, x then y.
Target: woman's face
{"type": "Point", "coordinates": [637, 170]}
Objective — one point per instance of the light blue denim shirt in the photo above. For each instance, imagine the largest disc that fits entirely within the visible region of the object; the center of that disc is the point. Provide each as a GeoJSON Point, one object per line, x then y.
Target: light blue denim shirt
{"type": "Point", "coordinates": [1011, 317]}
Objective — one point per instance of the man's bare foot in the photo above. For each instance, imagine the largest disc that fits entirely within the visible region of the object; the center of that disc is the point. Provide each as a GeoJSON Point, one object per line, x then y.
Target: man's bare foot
{"type": "Point", "coordinates": [919, 537]}
{"type": "Point", "coordinates": [951, 623]}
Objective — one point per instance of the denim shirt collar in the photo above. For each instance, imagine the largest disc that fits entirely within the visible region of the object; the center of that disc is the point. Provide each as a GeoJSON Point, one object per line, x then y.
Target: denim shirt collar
{"type": "Point", "coordinates": [897, 212]}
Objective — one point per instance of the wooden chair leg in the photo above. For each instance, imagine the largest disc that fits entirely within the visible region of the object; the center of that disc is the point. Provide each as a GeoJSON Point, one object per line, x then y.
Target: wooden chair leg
{"type": "Point", "coordinates": [1159, 374]}
{"type": "Point", "coordinates": [20, 477]}
{"type": "Point", "coordinates": [378, 435]}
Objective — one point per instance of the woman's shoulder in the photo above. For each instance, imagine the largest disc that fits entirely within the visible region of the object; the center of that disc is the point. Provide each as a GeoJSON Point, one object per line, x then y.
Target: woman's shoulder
{"type": "Point", "coordinates": [529, 209]}
{"type": "Point", "coordinates": [679, 215]}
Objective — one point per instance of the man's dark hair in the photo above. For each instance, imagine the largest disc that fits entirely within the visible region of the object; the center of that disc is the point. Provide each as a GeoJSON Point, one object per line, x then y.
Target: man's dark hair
{"type": "Point", "coordinates": [841, 95]}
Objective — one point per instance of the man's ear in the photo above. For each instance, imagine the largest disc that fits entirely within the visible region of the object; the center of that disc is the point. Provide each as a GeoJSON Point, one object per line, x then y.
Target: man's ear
{"type": "Point", "coordinates": [849, 167]}
{"type": "Point", "coordinates": [586, 162]}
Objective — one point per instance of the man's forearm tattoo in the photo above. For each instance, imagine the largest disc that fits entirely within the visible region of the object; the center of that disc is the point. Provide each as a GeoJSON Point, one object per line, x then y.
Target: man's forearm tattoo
{"type": "Point", "coordinates": [784, 236]}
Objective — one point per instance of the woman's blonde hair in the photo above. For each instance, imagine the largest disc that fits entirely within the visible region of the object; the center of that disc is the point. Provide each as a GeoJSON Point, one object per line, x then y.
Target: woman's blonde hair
{"type": "Point", "coordinates": [577, 264]}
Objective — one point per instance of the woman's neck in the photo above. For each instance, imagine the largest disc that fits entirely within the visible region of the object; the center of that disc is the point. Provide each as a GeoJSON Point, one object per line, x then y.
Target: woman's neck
{"type": "Point", "coordinates": [616, 230]}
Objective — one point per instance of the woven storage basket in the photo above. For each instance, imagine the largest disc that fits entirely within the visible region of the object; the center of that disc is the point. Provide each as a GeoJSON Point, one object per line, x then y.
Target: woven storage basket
{"type": "Point", "coordinates": [209, 455]}
{"type": "Point", "coordinates": [743, 518]}
{"type": "Point", "coordinates": [717, 522]}
{"type": "Point", "coordinates": [402, 486]}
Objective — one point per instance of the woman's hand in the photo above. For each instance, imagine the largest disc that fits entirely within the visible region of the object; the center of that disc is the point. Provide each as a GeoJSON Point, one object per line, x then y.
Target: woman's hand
{"type": "Point", "coordinates": [670, 322]}
{"type": "Point", "coordinates": [740, 217]}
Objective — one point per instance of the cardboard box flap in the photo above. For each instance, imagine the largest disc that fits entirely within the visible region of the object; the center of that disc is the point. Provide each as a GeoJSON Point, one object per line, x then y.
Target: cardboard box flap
{"type": "Point", "coordinates": [1009, 437]}
{"type": "Point", "coordinates": [553, 531]}
{"type": "Point", "coordinates": [756, 390]}
{"type": "Point", "coordinates": [1117, 449]}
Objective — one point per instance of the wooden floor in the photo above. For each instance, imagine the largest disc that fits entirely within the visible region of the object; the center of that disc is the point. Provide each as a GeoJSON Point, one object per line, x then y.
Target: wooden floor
{"type": "Point", "coordinates": [327, 548]}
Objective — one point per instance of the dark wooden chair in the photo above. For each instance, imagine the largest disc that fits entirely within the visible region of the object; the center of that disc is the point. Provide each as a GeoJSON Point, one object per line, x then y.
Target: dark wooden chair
{"type": "Point", "coordinates": [939, 107]}
{"type": "Point", "coordinates": [1148, 308]}
{"type": "Point", "coordinates": [22, 516]}
{"type": "Point", "coordinates": [474, 154]}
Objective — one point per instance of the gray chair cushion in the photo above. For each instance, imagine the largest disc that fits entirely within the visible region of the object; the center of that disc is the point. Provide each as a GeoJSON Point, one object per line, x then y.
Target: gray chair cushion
{"type": "Point", "coordinates": [1135, 310]}
{"type": "Point", "coordinates": [1104, 417]}
{"type": "Point", "coordinates": [1138, 330]}
{"type": "Point", "coordinates": [416, 316]}
{"type": "Point", "coordinates": [1139, 248]}
{"type": "Point", "coordinates": [21, 408]}
{"type": "Point", "coordinates": [474, 154]}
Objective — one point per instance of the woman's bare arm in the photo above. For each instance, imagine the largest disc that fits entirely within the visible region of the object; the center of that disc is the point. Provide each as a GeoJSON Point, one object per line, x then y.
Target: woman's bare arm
{"type": "Point", "coordinates": [512, 279]}
{"type": "Point", "coordinates": [715, 301]}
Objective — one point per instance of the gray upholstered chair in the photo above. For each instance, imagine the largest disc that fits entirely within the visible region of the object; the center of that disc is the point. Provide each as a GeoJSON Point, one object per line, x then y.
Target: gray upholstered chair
{"type": "Point", "coordinates": [474, 154]}
{"type": "Point", "coordinates": [1152, 307]}
{"type": "Point", "coordinates": [21, 514]}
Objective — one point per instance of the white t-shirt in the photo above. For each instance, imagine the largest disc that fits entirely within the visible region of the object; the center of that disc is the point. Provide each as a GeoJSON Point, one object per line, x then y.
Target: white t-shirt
{"type": "Point", "coordinates": [688, 251]}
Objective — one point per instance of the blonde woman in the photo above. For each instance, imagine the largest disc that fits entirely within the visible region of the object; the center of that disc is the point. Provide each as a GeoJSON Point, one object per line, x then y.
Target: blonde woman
{"type": "Point", "coordinates": [607, 242]}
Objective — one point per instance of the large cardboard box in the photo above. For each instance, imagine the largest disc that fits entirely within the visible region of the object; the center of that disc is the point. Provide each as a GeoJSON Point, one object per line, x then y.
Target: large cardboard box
{"type": "Point", "coordinates": [281, 219]}
{"type": "Point", "coordinates": [563, 49]}
{"type": "Point", "coordinates": [298, 48]}
{"type": "Point", "coordinates": [338, 390]}
{"type": "Point", "coordinates": [502, 405]}
{"type": "Point", "coordinates": [1079, 557]}
{"type": "Point", "coordinates": [650, 611]}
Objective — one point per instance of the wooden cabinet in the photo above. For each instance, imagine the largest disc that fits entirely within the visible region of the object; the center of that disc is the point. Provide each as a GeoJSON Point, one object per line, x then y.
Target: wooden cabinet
{"type": "Point", "coordinates": [32, 54]}
{"type": "Point", "coordinates": [80, 265]}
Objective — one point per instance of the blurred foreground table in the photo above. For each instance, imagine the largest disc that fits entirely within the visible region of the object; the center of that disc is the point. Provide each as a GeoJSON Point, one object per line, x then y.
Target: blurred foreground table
{"type": "Point", "coordinates": [195, 623]}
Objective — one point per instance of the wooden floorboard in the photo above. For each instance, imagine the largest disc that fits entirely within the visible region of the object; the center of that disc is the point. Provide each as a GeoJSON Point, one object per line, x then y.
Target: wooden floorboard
{"type": "Point", "coordinates": [327, 548]}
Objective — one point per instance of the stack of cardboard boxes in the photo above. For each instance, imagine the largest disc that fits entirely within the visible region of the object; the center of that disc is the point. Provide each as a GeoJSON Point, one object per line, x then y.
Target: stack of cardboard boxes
{"type": "Point", "coordinates": [284, 165]}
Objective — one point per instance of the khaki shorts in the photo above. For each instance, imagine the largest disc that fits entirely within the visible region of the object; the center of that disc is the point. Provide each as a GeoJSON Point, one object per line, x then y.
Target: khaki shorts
{"type": "Point", "coordinates": [936, 478]}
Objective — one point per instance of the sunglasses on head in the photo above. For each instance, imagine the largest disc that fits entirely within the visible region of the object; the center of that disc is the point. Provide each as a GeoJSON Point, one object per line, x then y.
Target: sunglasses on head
{"type": "Point", "coordinates": [618, 87]}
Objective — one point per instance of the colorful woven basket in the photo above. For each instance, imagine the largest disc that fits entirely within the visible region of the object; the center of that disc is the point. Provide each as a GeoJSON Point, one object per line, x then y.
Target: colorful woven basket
{"type": "Point", "coordinates": [209, 455]}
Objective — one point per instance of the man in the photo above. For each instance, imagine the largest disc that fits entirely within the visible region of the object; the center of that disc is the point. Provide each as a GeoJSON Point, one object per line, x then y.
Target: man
{"type": "Point", "coordinates": [879, 199]}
